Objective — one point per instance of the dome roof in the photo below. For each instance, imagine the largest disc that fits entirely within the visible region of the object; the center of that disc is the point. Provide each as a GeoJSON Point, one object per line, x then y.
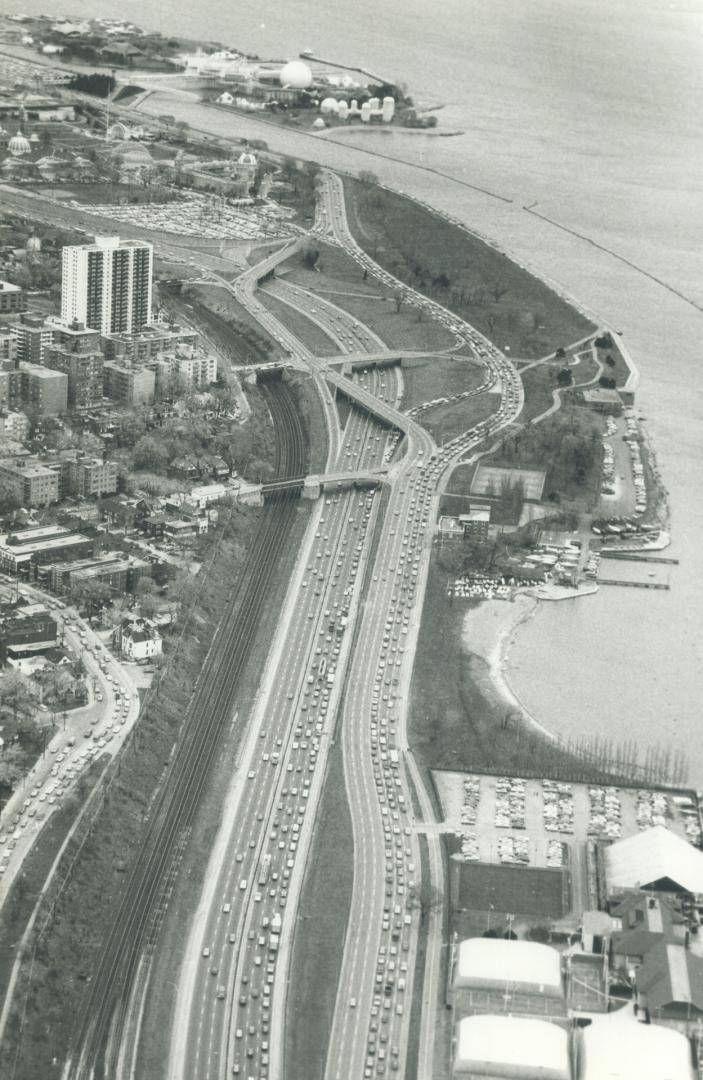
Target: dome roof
{"type": "Point", "coordinates": [329, 105]}
{"type": "Point", "coordinates": [247, 158]}
{"type": "Point", "coordinates": [296, 74]}
{"type": "Point", "coordinates": [319, 123]}
{"type": "Point", "coordinates": [19, 145]}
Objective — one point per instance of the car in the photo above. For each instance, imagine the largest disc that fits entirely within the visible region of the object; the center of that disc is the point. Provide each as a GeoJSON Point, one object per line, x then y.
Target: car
{"type": "Point", "coordinates": [206, 952]}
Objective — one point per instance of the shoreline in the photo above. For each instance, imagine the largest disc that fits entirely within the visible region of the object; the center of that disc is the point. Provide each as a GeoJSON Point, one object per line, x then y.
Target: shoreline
{"type": "Point", "coordinates": [492, 646]}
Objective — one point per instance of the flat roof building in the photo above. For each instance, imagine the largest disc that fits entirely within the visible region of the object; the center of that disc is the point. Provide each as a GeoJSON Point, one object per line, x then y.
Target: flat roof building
{"type": "Point", "coordinates": [129, 386]}
{"type": "Point", "coordinates": [44, 389]}
{"type": "Point", "coordinates": [12, 298]}
{"type": "Point", "coordinates": [23, 551]}
{"type": "Point", "coordinates": [492, 1047]}
{"type": "Point", "coordinates": [107, 285]}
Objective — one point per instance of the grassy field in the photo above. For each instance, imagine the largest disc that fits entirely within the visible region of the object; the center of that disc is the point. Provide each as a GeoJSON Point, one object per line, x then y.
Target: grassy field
{"type": "Point", "coordinates": [103, 193]}
{"type": "Point", "coordinates": [506, 303]}
{"type": "Point", "coordinates": [446, 421]}
{"type": "Point", "coordinates": [319, 936]}
{"type": "Point", "coordinates": [539, 382]}
{"type": "Point", "coordinates": [438, 376]}
{"type": "Point", "coordinates": [307, 332]}
{"type": "Point", "coordinates": [338, 279]}
{"type": "Point", "coordinates": [485, 887]}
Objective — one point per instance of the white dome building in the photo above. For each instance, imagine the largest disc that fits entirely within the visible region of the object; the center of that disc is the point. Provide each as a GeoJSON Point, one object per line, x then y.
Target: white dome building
{"type": "Point", "coordinates": [513, 1047]}
{"type": "Point", "coordinates": [618, 1046]}
{"type": "Point", "coordinates": [488, 964]}
{"type": "Point", "coordinates": [296, 74]}
{"type": "Point", "coordinates": [18, 145]}
{"type": "Point", "coordinates": [329, 106]}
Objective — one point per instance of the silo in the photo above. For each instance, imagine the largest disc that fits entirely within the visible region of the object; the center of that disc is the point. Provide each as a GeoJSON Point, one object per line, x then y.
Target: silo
{"type": "Point", "coordinates": [388, 111]}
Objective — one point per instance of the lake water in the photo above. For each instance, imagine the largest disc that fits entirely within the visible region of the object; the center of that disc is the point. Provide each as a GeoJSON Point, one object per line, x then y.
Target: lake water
{"type": "Point", "coordinates": [592, 111]}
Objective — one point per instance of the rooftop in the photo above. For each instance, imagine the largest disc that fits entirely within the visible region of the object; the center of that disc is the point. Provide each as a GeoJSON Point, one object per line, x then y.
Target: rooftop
{"type": "Point", "coordinates": [617, 1047]}
{"type": "Point", "coordinates": [654, 855]}
{"type": "Point", "coordinates": [498, 960]}
{"type": "Point", "coordinates": [512, 1046]}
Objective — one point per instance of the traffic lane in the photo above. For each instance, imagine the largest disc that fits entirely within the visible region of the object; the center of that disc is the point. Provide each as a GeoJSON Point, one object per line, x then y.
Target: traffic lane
{"type": "Point", "coordinates": [360, 504]}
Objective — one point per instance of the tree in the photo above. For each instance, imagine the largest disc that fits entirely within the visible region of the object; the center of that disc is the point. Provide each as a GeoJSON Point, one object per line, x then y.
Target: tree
{"type": "Point", "coordinates": [311, 253]}
{"type": "Point", "coordinates": [150, 453]}
{"type": "Point", "coordinates": [565, 377]}
{"type": "Point", "coordinates": [424, 898]}
{"type": "Point", "coordinates": [368, 178]}
{"type": "Point", "coordinates": [92, 595]}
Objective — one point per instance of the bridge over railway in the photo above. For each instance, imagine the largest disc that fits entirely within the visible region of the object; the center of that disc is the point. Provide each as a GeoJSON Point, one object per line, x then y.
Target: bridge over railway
{"type": "Point", "coordinates": [313, 485]}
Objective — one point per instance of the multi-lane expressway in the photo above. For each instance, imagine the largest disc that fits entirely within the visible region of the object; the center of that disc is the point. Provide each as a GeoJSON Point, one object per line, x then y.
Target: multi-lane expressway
{"type": "Point", "coordinates": [233, 993]}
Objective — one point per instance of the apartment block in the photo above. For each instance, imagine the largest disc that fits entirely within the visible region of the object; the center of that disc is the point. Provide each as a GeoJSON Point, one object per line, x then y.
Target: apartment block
{"type": "Point", "coordinates": [107, 285]}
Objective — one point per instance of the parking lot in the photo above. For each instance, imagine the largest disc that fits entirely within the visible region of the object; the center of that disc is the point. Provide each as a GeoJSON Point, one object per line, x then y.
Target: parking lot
{"type": "Point", "coordinates": [203, 216]}
{"type": "Point", "coordinates": [546, 825]}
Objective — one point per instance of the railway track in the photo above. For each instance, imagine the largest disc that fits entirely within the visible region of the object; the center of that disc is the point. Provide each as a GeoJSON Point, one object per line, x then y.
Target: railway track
{"type": "Point", "coordinates": [99, 1038]}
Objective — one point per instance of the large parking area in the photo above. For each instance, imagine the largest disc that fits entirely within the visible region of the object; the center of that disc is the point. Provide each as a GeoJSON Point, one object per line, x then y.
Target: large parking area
{"type": "Point", "coordinates": [507, 823]}
{"type": "Point", "coordinates": [199, 215]}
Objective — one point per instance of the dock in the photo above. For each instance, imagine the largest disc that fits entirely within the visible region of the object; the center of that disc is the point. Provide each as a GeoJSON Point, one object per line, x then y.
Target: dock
{"type": "Point", "coordinates": [634, 556]}
{"type": "Point", "coordinates": [634, 584]}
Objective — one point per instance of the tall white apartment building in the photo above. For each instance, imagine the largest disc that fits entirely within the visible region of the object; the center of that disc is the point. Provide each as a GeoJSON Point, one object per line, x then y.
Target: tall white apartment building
{"type": "Point", "coordinates": [107, 285]}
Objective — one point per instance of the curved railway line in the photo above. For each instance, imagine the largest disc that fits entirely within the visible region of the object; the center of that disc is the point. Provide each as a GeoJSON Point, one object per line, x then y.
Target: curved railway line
{"type": "Point", "coordinates": [106, 1013]}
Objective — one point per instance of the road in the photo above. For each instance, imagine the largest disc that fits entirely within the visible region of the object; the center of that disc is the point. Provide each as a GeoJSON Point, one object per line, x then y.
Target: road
{"type": "Point", "coordinates": [372, 1013]}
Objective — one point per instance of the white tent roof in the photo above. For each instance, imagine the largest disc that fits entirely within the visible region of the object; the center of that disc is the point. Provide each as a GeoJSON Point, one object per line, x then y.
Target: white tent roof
{"type": "Point", "coordinates": [617, 1047]}
{"type": "Point", "coordinates": [499, 960]}
{"type": "Point", "coordinates": [511, 1046]}
{"type": "Point", "coordinates": [652, 854]}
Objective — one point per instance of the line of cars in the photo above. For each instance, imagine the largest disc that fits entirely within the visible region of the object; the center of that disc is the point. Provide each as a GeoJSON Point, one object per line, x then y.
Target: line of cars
{"type": "Point", "coordinates": [292, 747]}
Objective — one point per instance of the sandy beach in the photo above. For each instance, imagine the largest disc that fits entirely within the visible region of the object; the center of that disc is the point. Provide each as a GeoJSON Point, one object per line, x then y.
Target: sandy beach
{"type": "Point", "coordinates": [488, 633]}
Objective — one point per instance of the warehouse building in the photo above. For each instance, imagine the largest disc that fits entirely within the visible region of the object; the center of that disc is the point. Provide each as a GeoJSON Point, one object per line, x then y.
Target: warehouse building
{"type": "Point", "coordinates": [655, 859]}
{"type": "Point", "coordinates": [494, 1047]}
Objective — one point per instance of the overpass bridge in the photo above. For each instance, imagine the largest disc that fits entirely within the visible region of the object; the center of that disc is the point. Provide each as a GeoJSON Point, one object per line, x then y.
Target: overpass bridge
{"type": "Point", "coordinates": [313, 485]}
{"type": "Point", "coordinates": [381, 410]}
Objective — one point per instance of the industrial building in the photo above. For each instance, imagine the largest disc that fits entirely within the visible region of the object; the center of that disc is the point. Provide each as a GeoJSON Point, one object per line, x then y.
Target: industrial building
{"type": "Point", "coordinates": [495, 973]}
{"type": "Point", "coordinates": [494, 1047]}
{"type": "Point", "coordinates": [655, 859]}
{"type": "Point", "coordinates": [107, 285]}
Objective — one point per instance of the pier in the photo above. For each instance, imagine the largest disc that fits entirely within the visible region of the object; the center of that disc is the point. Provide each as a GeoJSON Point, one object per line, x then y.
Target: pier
{"type": "Point", "coordinates": [634, 584]}
{"type": "Point", "coordinates": [634, 556]}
